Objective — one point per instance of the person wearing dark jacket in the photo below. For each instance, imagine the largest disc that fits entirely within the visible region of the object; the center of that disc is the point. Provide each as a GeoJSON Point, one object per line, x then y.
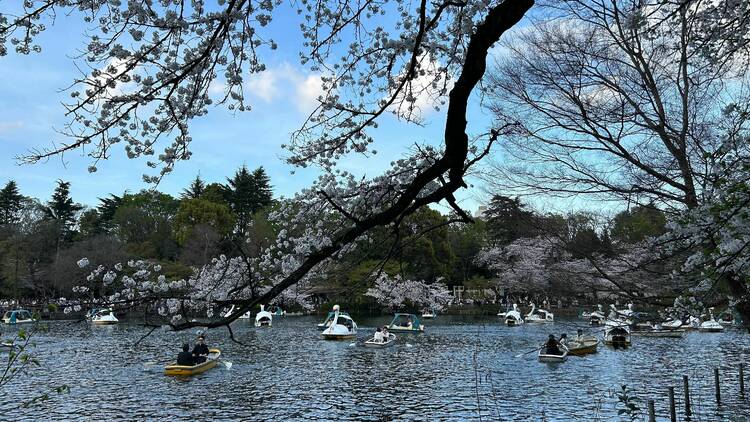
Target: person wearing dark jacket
{"type": "Point", "coordinates": [552, 346]}
{"type": "Point", "coordinates": [200, 351]}
{"type": "Point", "coordinates": [185, 357]}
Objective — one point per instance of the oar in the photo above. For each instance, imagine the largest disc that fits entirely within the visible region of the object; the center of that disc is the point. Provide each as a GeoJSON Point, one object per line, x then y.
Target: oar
{"type": "Point", "coordinates": [159, 362]}
{"type": "Point", "coordinates": [530, 351]}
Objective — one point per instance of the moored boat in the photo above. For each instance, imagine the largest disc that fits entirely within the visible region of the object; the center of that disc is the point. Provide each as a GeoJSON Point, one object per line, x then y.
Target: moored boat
{"type": "Point", "coordinates": [189, 370]}
{"type": "Point", "coordinates": [513, 317]}
{"type": "Point", "coordinates": [246, 315]}
{"type": "Point", "coordinates": [104, 317]}
{"type": "Point", "coordinates": [584, 346]}
{"type": "Point", "coordinates": [381, 344]}
{"type": "Point", "coordinates": [617, 335]}
{"type": "Point", "coordinates": [710, 325]}
{"type": "Point", "coordinates": [672, 324]}
{"type": "Point", "coordinates": [551, 358]}
{"type": "Point", "coordinates": [406, 323]}
{"type": "Point", "coordinates": [597, 317]}
{"type": "Point", "coordinates": [18, 316]}
{"type": "Point", "coordinates": [342, 326]}
{"type": "Point", "coordinates": [428, 314]}
{"type": "Point", "coordinates": [659, 332]}
{"type": "Point", "coordinates": [539, 316]}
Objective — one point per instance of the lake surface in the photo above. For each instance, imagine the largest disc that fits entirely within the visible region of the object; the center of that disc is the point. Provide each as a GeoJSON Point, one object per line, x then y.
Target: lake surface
{"type": "Point", "coordinates": [459, 369]}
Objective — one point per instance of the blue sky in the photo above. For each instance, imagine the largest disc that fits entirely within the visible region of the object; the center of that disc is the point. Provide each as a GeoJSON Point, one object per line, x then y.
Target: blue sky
{"type": "Point", "coordinates": [30, 112]}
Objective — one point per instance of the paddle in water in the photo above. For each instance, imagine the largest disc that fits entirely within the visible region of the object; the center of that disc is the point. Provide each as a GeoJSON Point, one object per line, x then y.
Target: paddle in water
{"type": "Point", "coordinates": [530, 351]}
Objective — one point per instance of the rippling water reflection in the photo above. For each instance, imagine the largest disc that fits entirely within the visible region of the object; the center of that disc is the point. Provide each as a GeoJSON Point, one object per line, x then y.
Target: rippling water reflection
{"type": "Point", "coordinates": [460, 368]}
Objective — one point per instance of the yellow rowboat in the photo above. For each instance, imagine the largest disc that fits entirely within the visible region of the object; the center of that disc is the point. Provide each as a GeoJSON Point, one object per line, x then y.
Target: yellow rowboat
{"type": "Point", "coordinates": [189, 370]}
{"type": "Point", "coordinates": [584, 347]}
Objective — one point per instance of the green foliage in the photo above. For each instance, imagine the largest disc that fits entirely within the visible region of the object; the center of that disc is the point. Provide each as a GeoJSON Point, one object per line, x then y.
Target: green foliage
{"type": "Point", "coordinates": [11, 202]}
{"type": "Point", "coordinates": [144, 222]}
{"type": "Point", "coordinates": [247, 194]}
{"type": "Point", "coordinates": [508, 219]}
{"type": "Point", "coordinates": [62, 210]}
{"type": "Point", "coordinates": [197, 212]}
{"type": "Point", "coordinates": [196, 189]}
{"type": "Point", "coordinates": [636, 225]}
{"type": "Point", "coordinates": [215, 192]}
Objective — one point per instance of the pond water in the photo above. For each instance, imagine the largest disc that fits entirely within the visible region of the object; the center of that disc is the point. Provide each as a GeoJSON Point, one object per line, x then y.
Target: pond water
{"type": "Point", "coordinates": [460, 369]}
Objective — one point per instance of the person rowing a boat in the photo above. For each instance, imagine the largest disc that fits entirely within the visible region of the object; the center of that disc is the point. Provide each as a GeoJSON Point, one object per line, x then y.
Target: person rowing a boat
{"type": "Point", "coordinates": [552, 346]}
{"type": "Point", "coordinates": [378, 336]}
{"type": "Point", "coordinates": [563, 339]}
{"type": "Point", "coordinates": [200, 351]}
{"type": "Point", "coordinates": [579, 336]}
{"type": "Point", "coordinates": [185, 358]}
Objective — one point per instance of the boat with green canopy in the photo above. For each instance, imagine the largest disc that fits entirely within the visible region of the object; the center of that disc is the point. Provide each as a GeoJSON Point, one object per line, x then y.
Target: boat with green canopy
{"type": "Point", "coordinates": [406, 323]}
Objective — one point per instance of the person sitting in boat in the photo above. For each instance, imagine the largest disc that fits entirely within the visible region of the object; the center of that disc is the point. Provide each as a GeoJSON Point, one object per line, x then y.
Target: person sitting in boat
{"type": "Point", "coordinates": [552, 346]}
{"type": "Point", "coordinates": [563, 339]}
{"type": "Point", "coordinates": [579, 335]}
{"type": "Point", "coordinates": [185, 357]}
{"type": "Point", "coordinates": [200, 351]}
{"type": "Point", "coordinates": [378, 336]}
{"type": "Point", "coordinates": [385, 333]}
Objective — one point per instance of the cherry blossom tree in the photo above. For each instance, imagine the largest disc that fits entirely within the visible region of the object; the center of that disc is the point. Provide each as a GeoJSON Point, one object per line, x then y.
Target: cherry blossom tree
{"type": "Point", "coordinates": [396, 294]}
{"type": "Point", "coordinates": [150, 69]}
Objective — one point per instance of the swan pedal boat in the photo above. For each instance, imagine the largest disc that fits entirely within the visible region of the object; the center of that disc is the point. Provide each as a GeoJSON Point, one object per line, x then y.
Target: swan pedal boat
{"type": "Point", "coordinates": [378, 345]}
{"type": "Point", "coordinates": [585, 346]}
{"type": "Point", "coordinates": [544, 357]}
{"type": "Point", "coordinates": [190, 370]}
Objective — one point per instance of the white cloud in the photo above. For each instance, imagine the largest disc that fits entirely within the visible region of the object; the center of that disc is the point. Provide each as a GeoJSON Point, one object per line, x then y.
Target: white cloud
{"type": "Point", "coordinates": [308, 91]}
{"type": "Point", "coordinates": [10, 126]}
{"type": "Point", "coordinates": [286, 82]}
{"type": "Point", "coordinates": [263, 85]}
{"type": "Point", "coordinates": [217, 88]}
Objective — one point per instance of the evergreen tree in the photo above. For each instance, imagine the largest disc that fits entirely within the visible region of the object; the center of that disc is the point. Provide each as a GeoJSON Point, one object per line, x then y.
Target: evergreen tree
{"type": "Point", "coordinates": [263, 192]}
{"type": "Point", "coordinates": [508, 220]}
{"type": "Point", "coordinates": [61, 209]}
{"type": "Point", "coordinates": [11, 202]}
{"type": "Point", "coordinates": [246, 194]}
{"type": "Point", "coordinates": [196, 189]}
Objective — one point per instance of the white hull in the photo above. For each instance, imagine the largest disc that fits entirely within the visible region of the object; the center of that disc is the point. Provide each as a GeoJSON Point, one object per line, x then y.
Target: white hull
{"type": "Point", "coordinates": [543, 357]}
{"type": "Point", "coordinates": [381, 345]}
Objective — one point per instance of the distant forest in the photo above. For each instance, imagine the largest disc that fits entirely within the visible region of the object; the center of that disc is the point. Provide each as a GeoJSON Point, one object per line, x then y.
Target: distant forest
{"type": "Point", "coordinates": [41, 241]}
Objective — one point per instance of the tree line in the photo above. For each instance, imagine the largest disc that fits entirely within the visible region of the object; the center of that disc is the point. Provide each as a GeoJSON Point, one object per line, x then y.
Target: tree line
{"type": "Point", "coordinates": [41, 241]}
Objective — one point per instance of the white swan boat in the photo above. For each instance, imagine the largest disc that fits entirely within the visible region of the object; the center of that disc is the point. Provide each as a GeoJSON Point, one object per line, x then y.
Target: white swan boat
{"type": "Point", "coordinates": [342, 326]}
{"type": "Point", "coordinates": [672, 324]}
{"type": "Point", "coordinates": [513, 317]}
{"type": "Point", "coordinates": [539, 316]}
{"type": "Point", "coordinates": [104, 317]}
{"type": "Point", "coordinates": [381, 344]}
{"type": "Point", "coordinates": [551, 358]}
{"type": "Point", "coordinates": [710, 325]}
{"type": "Point", "coordinates": [18, 316]}
{"type": "Point", "coordinates": [263, 318]}
{"type": "Point", "coordinates": [246, 315]}
{"type": "Point", "coordinates": [597, 317]}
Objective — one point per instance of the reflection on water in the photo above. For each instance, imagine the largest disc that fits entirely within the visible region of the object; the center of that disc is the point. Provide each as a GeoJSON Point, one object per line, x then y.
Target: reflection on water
{"type": "Point", "coordinates": [460, 368]}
